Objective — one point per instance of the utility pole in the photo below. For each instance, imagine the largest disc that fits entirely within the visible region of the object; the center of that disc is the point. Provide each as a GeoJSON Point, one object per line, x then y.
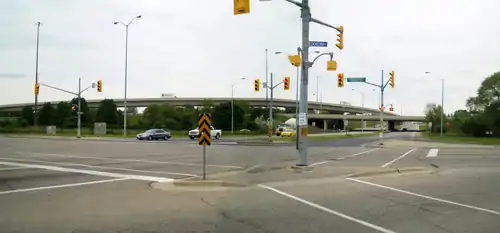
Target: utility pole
{"type": "Point", "coordinates": [271, 88]}
{"type": "Point", "coordinates": [267, 81]}
{"type": "Point", "coordinates": [38, 24]}
{"type": "Point", "coordinates": [79, 112]}
{"type": "Point", "coordinates": [442, 105]}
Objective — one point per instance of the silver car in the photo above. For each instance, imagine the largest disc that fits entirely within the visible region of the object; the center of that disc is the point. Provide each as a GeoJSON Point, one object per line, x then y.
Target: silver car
{"type": "Point", "coordinates": [154, 134]}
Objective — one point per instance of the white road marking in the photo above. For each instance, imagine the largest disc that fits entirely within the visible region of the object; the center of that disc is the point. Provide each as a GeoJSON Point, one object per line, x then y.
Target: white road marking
{"type": "Point", "coordinates": [90, 172]}
{"type": "Point", "coordinates": [61, 186]}
{"type": "Point", "coordinates": [398, 158]}
{"type": "Point", "coordinates": [98, 166]}
{"type": "Point", "coordinates": [432, 153]}
{"type": "Point", "coordinates": [367, 224]}
{"type": "Point", "coordinates": [132, 160]}
{"type": "Point", "coordinates": [12, 168]}
{"type": "Point", "coordinates": [343, 157]}
{"type": "Point", "coordinates": [426, 197]}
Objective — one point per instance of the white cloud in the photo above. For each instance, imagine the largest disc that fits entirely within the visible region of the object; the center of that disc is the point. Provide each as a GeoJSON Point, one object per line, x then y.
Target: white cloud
{"type": "Point", "coordinates": [199, 48]}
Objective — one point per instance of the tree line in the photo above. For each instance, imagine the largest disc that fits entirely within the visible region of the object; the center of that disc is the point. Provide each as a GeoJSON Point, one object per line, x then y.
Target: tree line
{"type": "Point", "coordinates": [154, 116]}
{"type": "Point", "coordinates": [481, 117]}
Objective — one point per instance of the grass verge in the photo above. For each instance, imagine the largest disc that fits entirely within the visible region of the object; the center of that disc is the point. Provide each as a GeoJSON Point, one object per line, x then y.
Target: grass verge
{"type": "Point", "coordinates": [462, 139]}
{"type": "Point", "coordinates": [327, 137]}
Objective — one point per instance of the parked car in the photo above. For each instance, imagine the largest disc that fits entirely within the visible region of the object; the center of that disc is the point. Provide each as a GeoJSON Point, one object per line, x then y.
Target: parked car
{"type": "Point", "coordinates": [288, 133]}
{"type": "Point", "coordinates": [154, 134]}
{"type": "Point", "coordinates": [214, 133]}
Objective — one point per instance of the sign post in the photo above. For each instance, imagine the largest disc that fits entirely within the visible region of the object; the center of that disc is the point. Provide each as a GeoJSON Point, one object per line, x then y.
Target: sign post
{"type": "Point", "coordinates": [204, 137]}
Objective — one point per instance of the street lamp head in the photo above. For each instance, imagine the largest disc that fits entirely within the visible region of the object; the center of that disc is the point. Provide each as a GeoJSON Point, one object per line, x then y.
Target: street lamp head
{"type": "Point", "coordinates": [139, 16]}
{"type": "Point", "coordinates": [277, 52]}
{"type": "Point", "coordinates": [115, 22]}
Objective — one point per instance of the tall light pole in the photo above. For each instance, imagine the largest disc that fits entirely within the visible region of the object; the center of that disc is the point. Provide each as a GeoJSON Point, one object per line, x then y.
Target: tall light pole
{"type": "Point", "coordinates": [38, 24]}
{"type": "Point", "coordinates": [267, 81]}
{"type": "Point", "coordinates": [442, 104]}
{"type": "Point", "coordinates": [232, 105]}
{"type": "Point", "coordinates": [126, 70]}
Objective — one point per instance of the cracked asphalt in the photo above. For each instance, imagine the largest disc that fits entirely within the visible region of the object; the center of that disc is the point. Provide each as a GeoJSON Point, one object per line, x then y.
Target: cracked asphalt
{"type": "Point", "coordinates": [91, 186]}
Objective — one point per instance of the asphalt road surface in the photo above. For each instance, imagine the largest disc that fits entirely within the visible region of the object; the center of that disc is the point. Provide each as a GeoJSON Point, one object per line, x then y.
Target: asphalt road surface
{"type": "Point", "coordinates": [83, 186]}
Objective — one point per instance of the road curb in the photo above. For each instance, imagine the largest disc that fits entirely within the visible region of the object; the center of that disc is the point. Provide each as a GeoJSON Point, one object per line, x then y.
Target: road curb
{"type": "Point", "coordinates": [384, 171]}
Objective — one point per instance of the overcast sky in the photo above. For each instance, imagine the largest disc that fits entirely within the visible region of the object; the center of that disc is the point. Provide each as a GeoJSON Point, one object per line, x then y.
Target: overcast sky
{"type": "Point", "coordinates": [199, 48]}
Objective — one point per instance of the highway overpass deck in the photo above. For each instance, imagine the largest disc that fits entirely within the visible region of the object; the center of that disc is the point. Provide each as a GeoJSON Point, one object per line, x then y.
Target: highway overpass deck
{"type": "Point", "coordinates": [355, 117]}
{"type": "Point", "coordinates": [256, 102]}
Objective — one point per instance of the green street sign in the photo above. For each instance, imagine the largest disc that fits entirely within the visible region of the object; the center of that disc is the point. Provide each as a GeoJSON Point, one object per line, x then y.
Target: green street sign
{"type": "Point", "coordinates": [356, 80]}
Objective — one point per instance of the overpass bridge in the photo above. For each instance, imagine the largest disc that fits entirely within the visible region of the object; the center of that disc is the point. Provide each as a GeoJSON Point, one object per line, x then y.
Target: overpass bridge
{"type": "Point", "coordinates": [255, 102]}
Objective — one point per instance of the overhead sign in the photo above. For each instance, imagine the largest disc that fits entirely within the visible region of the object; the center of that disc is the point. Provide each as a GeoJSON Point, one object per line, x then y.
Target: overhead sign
{"type": "Point", "coordinates": [204, 123]}
{"type": "Point", "coordinates": [356, 80]}
{"type": "Point", "coordinates": [318, 44]}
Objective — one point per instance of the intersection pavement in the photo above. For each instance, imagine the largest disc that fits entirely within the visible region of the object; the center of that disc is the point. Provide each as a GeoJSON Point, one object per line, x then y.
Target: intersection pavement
{"type": "Point", "coordinates": [93, 186]}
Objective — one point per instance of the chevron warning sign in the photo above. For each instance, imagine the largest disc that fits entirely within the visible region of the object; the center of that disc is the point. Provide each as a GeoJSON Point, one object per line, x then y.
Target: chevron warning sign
{"type": "Point", "coordinates": [204, 123]}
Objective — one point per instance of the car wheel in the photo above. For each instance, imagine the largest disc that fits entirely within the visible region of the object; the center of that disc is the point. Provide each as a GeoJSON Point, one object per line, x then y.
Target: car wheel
{"type": "Point", "coordinates": [166, 138]}
{"type": "Point", "coordinates": [150, 138]}
{"type": "Point", "coordinates": [191, 137]}
{"type": "Point", "coordinates": [217, 136]}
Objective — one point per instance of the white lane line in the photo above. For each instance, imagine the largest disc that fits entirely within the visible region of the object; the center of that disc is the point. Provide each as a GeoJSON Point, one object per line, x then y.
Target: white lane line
{"type": "Point", "coordinates": [90, 172]}
{"type": "Point", "coordinates": [432, 153]}
{"type": "Point", "coordinates": [343, 157]}
{"type": "Point", "coordinates": [367, 224]}
{"type": "Point", "coordinates": [12, 168]}
{"type": "Point", "coordinates": [61, 186]}
{"type": "Point", "coordinates": [398, 158]}
{"type": "Point", "coordinates": [426, 197]}
{"type": "Point", "coordinates": [132, 160]}
{"type": "Point", "coordinates": [97, 166]}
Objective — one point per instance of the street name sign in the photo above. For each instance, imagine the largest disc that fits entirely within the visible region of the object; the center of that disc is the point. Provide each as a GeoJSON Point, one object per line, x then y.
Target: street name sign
{"type": "Point", "coordinates": [356, 80]}
{"type": "Point", "coordinates": [318, 44]}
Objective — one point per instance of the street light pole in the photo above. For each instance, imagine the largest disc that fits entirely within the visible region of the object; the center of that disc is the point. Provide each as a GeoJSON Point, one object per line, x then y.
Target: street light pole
{"type": "Point", "coordinates": [38, 24]}
{"type": "Point", "coordinates": [317, 88]}
{"type": "Point", "coordinates": [232, 106]}
{"type": "Point", "coordinates": [442, 105]}
{"type": "Point", "coordinates": [267, 81]}
{"type": "Point", "coordinates": [126, 72]}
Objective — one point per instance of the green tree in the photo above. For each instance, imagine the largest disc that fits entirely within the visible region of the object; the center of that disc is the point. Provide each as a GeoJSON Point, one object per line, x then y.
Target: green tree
{"type": "Point", "coordinates": [207, 106]}
{"type": "Point", "coordinates": [433, 115]}
{"type": "Point", "coordinates": [221, 116]}
{"type": "Point", "coordinates": [28, 115]}
{"type": "Point", "coordinates": [107, 112]}
{"type": "Point", "coordinates": [46, 114]}
{"type": "Point", "coordinates": [62, 114]}
{"type": "Point", "coordinates": [151, 115]}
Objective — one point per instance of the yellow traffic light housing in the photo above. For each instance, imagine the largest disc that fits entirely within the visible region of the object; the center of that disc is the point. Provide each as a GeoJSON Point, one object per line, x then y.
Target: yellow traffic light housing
{"type": "Point", "coordinates": [392, 78]}
{"type": "Point", "coordinates": [256, 85]}
{"type": "Point", "coordinates": [294, 60]}
{"type": "Point", "coordinates": [37, 88]}
{"type": "Point", "coordinates": [74, 107]}
{"type": "Point", "coordinates": [99, 86]}
{"type": "Point", "coordinates": [340, 80]}
{"type": "Point", "coordinates": [331, 65]}
{"type": "Point", "coordinates": [391, 108]}
{"type": "Point", "coordinates": [241, 7]}
{"type": "Point", "coordinates": [382, 108]}
{"type": "Point", "coordinates": [286, 83]}
{"type": "Point", "coordinates": [340, 40]}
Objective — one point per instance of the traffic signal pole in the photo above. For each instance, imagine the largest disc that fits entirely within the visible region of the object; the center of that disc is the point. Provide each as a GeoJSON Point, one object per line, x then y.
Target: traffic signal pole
{"type": "Point", "coordinates": [382, 87]}
{"type": "Point", "coordinates": [271, 88]}
{"type": "Point", "coordinates": [78, 95]}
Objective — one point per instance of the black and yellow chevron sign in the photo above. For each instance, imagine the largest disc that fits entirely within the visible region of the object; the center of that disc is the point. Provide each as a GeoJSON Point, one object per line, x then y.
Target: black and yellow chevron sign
{"type": "Point", "coordinates": [204, 123]}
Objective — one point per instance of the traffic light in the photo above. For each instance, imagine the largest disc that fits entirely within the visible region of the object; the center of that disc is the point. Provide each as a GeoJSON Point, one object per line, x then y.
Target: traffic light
{"type": "Point", "coordinates": [74, 107]}
{"type": "Point", "coordinates": [37, 88]}
{"type": "Point", "coordinates": [256, 84]}
{"type": "Point", "coordinates": [392, 78]}
{"type": "Point", "coordinates": [286, 83]}
{"type": "Point", "coordinates": [340, 80]}
{"type": "Point", "coordinates": [340, 40]}
{"type": "Point", "coordinates": [331, 65]}
{"type": "Point", "coordinates": [294, 59]}
{"type": "Point", "coordinates": [99, 86]}
{"type": "Point", "coordinates": [241, 7]}
{"type": "Point", "coordinates": [391, 108]}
